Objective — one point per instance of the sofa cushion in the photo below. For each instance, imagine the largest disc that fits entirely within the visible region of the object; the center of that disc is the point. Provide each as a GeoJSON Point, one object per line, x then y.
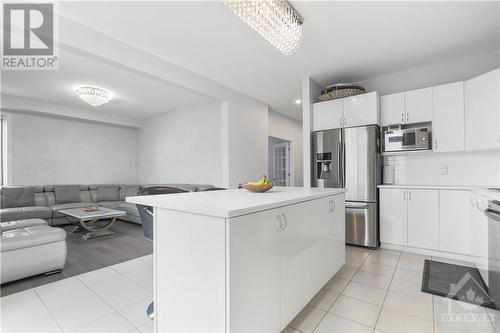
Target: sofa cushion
{"type": "Point", "coordinates": [128, 191]}
{"type": "Point", "coordinates": [17, 197]}
{"type": "Point", "coordinates": [107, 193]}
{"type": "Point", "coordinates": [22, 213]}
{"type": "Point", "coordinates": [109, 204]}
{"type": "Point", "coordinates": [30, 237]}
{"type": "Point", "coordinates": [203, 187]}
{"type": "Point", "coordinates": [19, 224]}
{"type": "Point", "coordinates": [55, 208]}
{"type": "Point", "coordinates": [67, 193]}
{"type": "Point", "coordinates": [129, 208]}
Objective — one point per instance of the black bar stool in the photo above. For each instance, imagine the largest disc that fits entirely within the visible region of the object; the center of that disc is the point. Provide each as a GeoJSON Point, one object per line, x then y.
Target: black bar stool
{"type": "Point", "coordinates": [146, 215]}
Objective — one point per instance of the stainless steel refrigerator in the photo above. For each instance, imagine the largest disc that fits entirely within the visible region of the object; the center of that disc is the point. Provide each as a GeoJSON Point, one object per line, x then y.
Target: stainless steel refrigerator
{"type": "Point", "coordinates": [350, 158]}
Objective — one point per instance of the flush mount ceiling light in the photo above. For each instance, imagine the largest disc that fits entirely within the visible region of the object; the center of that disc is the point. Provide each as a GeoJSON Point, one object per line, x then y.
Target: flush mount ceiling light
{"type": "Point", "coordinates": [275, 20]}
{"type": "Point", "coordinates": [93, 95]}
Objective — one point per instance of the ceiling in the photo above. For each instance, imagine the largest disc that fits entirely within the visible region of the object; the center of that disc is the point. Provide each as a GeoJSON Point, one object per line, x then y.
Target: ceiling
{"type": "Point", "coordinates": [343, 41]}
{"type": "Point", "coordinates": [135, 96]}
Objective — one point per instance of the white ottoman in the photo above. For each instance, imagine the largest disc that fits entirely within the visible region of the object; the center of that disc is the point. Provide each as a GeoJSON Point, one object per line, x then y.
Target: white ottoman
{"type": "Point", "coordinates": [32, 250]}
{"type": "Point", "coordinates": [12, 225]}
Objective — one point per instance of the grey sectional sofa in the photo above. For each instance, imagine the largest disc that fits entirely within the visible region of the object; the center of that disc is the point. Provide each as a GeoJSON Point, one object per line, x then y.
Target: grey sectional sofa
{"type": "Point", "coordinates": [28, 202]}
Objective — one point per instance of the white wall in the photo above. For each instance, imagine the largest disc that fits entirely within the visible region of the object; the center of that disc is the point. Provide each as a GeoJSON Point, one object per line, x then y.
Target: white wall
{"type": "Point", "coordinates": [245, 124]}
{"type": "Point", "coordinates": [474, 168]}
{"type": "Point", "coordinates": [426, 76]}
{"type": "Point", "coordinates": [182, 146]}
{"type": "Point", "coordinates": [310, 92]}
{"type": "Point", "coordinates": [289, 129]}
{"type": "Point", "coordinates": [49, 150]}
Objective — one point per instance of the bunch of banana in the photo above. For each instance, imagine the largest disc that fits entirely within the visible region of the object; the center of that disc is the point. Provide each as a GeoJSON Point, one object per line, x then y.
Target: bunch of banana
{"type": "Point", "coordinates": [261, 182]}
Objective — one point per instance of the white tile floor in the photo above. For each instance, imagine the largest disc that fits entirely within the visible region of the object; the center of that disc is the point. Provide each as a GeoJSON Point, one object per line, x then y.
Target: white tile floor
{"type": "Point", "coordinates": [111, 299]}
{"type": "Point", "coordinates": [376, 291]}
{"type": "Point", "coordinates": [379, 291]}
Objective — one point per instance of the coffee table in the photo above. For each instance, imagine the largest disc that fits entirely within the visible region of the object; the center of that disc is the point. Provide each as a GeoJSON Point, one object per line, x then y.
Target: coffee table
{"type": "Point", "coordinates": [96, 223]}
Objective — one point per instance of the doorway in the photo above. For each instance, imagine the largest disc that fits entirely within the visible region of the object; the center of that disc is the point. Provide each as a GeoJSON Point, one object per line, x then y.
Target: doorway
{"type": "Point", "coordinates": [279, 161]}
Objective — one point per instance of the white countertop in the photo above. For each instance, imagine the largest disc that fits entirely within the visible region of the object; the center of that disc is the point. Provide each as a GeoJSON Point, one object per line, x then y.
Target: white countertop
{"type": "Point", "coordinates": [487, 192]}
{"type": "Point", "coordinates": [484, 190]}
{"type": "Point", "coordinates": [430, 187]}
{"type": "Point", "coordinates": [232, 203]}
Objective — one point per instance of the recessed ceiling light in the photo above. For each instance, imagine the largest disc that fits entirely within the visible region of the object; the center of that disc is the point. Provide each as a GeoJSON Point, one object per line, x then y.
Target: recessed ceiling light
{"type": "Point", "coordinates": [94, 96]}
{"type": "Point", "coordinates": [298, 101]}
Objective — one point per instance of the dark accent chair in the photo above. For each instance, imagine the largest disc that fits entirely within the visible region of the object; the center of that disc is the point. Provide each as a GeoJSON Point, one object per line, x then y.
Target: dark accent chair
{"type": "Point", "coordinates": [214, 189]}
{"type": "Point", "coordinates": [146, 215]}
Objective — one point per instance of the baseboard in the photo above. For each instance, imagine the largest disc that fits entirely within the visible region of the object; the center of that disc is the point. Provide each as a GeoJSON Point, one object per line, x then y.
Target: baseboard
{"type": "Point", "coordinates": [427, 252]}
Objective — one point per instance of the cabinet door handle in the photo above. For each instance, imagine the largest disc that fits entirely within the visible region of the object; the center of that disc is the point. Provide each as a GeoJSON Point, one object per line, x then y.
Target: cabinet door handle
{"type": "Point", "coordinates": [404, 195]}
{"type": "Point", "coordinates": [436, 143]}
{"type": "Point", "coordinates": [281, 223]}
{"type": "Point", "coordinates": [409, 195]}
{"type": "Point", "coordinates": [340, 121]}
{"type": "Point", "coordinates": [407, 117]}
{"type": "Point", "coordinates": [286, 222]}
{"type": "Point", "coordinates": [402, 117]}
{"type": "Point", "coordinates": [332, 206]}
{"type": "Point", "coordinates": [345, 121]}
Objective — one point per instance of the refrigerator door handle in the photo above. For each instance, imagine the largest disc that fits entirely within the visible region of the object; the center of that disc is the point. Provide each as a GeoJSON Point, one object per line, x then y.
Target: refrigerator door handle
{"type": "Point", "coordinates": [356, 206]}
{"type": "Point", "coordinates": [343, 165]}
{"type": "Point", "coordinates": [341, 169]}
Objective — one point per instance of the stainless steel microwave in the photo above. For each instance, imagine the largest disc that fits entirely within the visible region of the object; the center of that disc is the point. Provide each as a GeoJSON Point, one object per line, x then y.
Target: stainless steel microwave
{"type": "Point", "coordinates": [403, 139]}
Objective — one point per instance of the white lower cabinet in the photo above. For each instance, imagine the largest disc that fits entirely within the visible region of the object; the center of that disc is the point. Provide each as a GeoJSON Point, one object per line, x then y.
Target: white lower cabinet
{"type": "Point", "coordinates": [393, 216]}
{"type": "Point", "coordinates": [423, 218]}
{"type": "Point", "coordinates": [280, 258]}
{"type": "Point", "coordinates": [309, 244]}
{"type": "Point", "coordinates": [433, 219]}
{"type": "Point", "coordinates": [453, 221]}
{"type": "Point", "coordinates": [255, 272]}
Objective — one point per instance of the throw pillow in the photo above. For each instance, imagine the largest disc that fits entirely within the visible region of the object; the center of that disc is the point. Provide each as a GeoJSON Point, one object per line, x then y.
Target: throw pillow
{"type": "Point", "coordinates": [67, 194]}
{"type": "Point", "coordinates": [107, 193]}
{"type": "Point", "coordinates": [128, 191]}
{"type": "Point", "coordinates": [17, 197]}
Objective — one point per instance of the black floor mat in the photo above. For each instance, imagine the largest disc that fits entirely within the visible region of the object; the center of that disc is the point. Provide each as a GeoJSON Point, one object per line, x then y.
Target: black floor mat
{"type": "Point", "coordinates": [457, 282]}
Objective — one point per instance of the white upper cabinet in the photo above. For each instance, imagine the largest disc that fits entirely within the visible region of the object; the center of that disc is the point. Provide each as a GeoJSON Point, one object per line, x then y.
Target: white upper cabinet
{"type": "Point", "coordinates": [448, 117]}
{"type": "Point", "coordinates": [408, 107]}
{"type": "Point", "coordinates": [423, 218]}
{"type": "Point", "coordinates": [482, 112]}
{"type": "Point", "coordinates": [418, 105]}
{"type": "Point", "coordinates": [454, 221]}
{"type": "Point", "coordinates": [327, 115]}
{"type": "Point", "coordinates": [392, 109]}
{"type": "Point", "coordinates": [361, 110]}
{"type": "Point", "coordinates": [351, 111]}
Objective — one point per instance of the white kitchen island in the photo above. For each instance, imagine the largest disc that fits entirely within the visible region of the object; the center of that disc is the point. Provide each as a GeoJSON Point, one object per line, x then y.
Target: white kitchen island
{"type": "Point", "coordinates": [235, 261]}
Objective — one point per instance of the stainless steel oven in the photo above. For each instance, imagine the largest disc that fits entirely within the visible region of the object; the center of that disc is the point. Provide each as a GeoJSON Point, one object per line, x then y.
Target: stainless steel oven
{"type": "Point", "coordinates": [493, 214]}
{"type": "Point", "coordinates": [397, 138]}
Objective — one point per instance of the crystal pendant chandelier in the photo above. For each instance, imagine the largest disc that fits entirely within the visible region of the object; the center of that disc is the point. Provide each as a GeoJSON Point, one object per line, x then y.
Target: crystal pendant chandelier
{"type": "Point", "coordinates": [93, 95]}
{"type": "Point", "coordinates": [275, 20]}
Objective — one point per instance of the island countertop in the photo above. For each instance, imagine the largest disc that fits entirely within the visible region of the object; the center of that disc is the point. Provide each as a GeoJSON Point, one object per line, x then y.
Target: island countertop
{"type": "Point", "coordinates": [232, 203]}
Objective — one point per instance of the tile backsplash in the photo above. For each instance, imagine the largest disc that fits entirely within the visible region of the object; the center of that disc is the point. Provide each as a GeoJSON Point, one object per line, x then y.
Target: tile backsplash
{"type": "Point", "coordinates": [471, 168]}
